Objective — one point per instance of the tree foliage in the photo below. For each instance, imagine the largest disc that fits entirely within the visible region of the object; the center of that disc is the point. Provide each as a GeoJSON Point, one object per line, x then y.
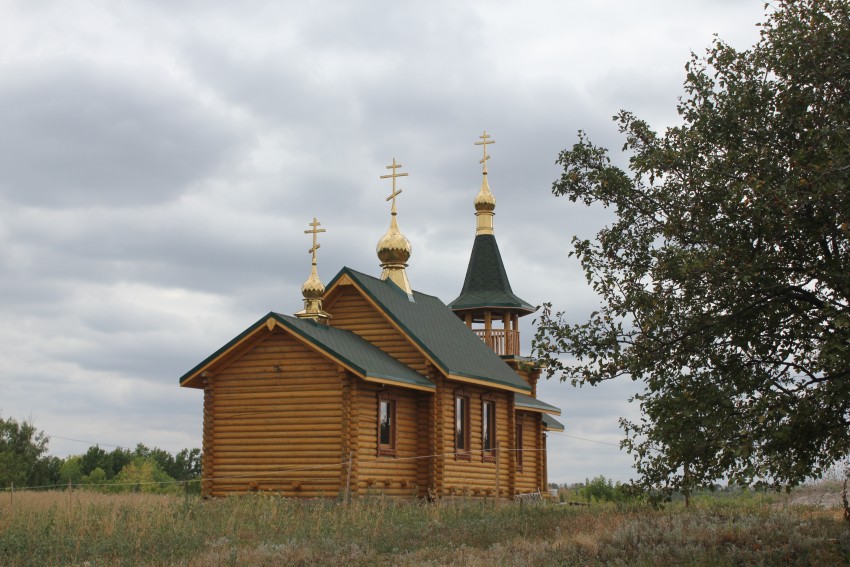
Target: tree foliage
{"type": "Point", "coordinates": [601, 489]}
{"type": "Point", "coordinates": [724, 279]}
{"type": "Point", "coordinates": [22, 454]}
{"type": "Point", "coordinates": [24, 462]}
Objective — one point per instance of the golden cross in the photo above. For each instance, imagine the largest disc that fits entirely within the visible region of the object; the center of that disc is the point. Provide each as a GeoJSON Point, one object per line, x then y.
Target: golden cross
{"type": "Point", "coordinates": [315, 231]}
{"type": "Point", "coordinates": [393, 175]}
{"type": "Point", "coordinates": [485, 139]}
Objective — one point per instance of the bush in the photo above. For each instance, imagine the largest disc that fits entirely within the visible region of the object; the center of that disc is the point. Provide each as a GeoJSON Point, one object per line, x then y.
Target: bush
{"type": "Point", "coordinates": [601, 489]}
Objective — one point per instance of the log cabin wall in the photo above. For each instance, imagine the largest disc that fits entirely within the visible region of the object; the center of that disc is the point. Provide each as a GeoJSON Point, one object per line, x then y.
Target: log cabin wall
{"type": "Point", "coordinates": [352, 312]}
{"type": "Point", "coordinates": [530, 375]}
{"type": "Point", "coordinates": [391, 475]}
{"type": "Point", "coordinates": [474, 474]}
{"type": "Point", "coordinates": [207, 445]}
{"type": "Point", "coordinates": [527, 473]}
{"type": "Point", "coordinates": [276, 407]}
{"type": "Point", "coordinates": [439, 431]}
{"type": "Point", "coordinates": [425, 445]}
{"type": "Point", "coordinates": [540, 437]}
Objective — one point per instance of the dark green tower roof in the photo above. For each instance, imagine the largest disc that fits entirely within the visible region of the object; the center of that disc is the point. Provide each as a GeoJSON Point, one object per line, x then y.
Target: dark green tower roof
{"type": "Point", "coordinates": [486, 284]}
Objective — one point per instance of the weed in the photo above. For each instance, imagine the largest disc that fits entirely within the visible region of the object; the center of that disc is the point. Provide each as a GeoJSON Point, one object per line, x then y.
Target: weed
{"type": "Point", "coordinates": [53, 528]}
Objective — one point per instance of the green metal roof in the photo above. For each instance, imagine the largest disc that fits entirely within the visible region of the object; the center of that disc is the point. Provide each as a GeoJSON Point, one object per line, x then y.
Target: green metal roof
{"type": "Point", "coordinates": [551, 424]}
{"type": "Point", "coordinates": [521, 401]}
{"type": "Point", "coordinates": [438, 332]}
{"type": "Point", "coordinates": [362, 356]}
{"type": "Point", "coordinates": [486, 283]}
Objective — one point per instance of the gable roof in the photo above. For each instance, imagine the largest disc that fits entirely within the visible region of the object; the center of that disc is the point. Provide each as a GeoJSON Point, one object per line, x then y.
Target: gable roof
{"type": "Point", "coordinates": [486, 283]}
{"type": "Point", "coordinates": [356, 354]}
{"type": "Point", "coordinates": [438, 332]}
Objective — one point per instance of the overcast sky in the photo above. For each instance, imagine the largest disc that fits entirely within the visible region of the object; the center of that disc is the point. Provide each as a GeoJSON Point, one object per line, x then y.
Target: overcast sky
{"type": "Point", "coordinates": [159, 162]}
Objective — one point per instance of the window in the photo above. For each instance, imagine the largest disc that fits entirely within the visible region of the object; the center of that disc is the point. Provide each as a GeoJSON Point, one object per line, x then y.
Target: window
{"type": "Point", "coordinates": [518, 443]}
{"type": "Point", "coordinates": [488, 430]}
{"type": "Point", "coordinates": [462, 427]}
{"type": "Point", "coordinates": [386, 424]}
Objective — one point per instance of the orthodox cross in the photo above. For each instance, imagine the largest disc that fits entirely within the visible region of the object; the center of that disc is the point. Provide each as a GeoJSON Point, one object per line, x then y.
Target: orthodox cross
{"type": "Point", "coordinates": [315, 231]}
{"type": "Point", "coordinates": [393, 175]}
{"type": "Point", "coordinates": [485, 139]}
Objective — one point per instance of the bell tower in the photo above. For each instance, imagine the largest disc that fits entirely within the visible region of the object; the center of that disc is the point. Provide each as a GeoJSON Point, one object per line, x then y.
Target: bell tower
{"type": "Point", "coordinates": [486, 303]}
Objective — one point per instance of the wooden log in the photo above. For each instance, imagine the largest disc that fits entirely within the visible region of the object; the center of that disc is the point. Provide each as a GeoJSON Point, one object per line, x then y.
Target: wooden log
{"type": "Point", "coordinates": [300, 397]}
{"type": "Point", "coordinates": [261, 469]}
{"type": "Point", "coordinates": [286, 452]}
{"type": "Point", "coordinates": [318, 410]}
{"type": "Point", "coordinates": [259, 445]}
{"type": "Point", "coordinates": [272, 413]}
{"type": "Point", "coordinates": [278, 461]}
{"type": "Point", "coordinates": [296, 428]}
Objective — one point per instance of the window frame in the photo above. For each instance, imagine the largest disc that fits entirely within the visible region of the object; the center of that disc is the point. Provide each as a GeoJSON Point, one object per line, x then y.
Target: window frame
{"type": "Point", "coordinates": [387, 449]}
{"type": "Point", "coordinates": [462, 454]}
{"type": "Point", "coordinates": [488, 454]}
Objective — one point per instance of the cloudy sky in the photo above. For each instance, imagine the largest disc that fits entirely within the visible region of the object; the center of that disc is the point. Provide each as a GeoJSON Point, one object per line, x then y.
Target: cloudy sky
{"type": "Point", "coordinates": [159, 162]}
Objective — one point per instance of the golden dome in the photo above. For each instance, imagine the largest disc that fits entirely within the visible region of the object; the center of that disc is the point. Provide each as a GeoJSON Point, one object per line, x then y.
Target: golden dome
{"type": "Point", "coordinates": [484, 201]}
{"type": "Point", "coordinates": [393, 247]}
{"type": "Point", "coordinates": [313, 288]}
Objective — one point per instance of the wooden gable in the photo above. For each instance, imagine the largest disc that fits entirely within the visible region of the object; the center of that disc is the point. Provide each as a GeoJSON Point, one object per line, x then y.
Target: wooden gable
{"type": "Point", "coordinates": [269, 408]}
{"type": "Point", "coordinates": [352, 311]}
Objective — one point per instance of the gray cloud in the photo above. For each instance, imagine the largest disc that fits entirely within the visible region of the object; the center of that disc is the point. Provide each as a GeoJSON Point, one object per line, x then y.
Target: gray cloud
{"type": "Point", "coordinates": [160, 161]}
{"type": "Point", "coordinates": [72, 136]}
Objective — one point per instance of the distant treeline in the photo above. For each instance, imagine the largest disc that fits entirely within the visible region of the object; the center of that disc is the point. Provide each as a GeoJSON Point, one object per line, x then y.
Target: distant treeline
{"type": "Point", "coordinates": [24, 463]}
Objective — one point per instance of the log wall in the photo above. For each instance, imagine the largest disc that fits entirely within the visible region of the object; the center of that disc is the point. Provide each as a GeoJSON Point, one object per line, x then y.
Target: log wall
{"type": "Point", "coordinates": [476, 476]}
{"type": "Point", "coordinates": [529, 478]}
{"type": "Point", "coordinates": [273, 412]}
{"type": "Point", "coordinates": [403, 474]}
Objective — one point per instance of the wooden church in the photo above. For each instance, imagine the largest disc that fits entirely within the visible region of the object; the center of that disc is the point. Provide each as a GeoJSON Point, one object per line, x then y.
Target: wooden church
{"type": "Point", "coordinates": [375, 388]}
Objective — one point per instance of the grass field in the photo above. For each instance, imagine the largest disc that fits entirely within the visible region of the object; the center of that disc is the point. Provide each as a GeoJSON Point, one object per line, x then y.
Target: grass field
{"type": "Point", "coordinates": [91, 529]}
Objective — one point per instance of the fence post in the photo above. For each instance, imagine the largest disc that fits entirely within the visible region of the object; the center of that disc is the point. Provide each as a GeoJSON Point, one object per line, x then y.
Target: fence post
{"type": "Point", "coordinates": [70, 488]}
{"type": "Point", "coordinates": [12, 496]}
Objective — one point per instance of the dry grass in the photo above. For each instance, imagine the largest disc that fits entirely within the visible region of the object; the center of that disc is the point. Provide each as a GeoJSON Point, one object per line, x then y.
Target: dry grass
{"type": "Point", "coordinates": [137, 529]}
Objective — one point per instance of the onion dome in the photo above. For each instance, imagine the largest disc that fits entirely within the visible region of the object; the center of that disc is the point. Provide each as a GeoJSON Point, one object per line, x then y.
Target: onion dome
{"type": "Point", "coordinates": [394, 248]}
{"type": "Point", "coordinates": [313, 288]}
{"type": "Point", "coordinates": [484, 201]}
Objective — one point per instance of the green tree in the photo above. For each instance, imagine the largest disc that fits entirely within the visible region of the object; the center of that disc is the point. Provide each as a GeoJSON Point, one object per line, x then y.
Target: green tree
{"type": "Point", "coordinates": [96, 477]}
{"type": "Point", "coordinates": [95, 458]}
{"type": "Point", "coordinates": [118, 459]}
{"type": "Point", "coordinates": [71, 470]}
{"type": "Point", "coordinates": [187, 465]}
{"type": "Point", "coordinates": [161, 457]}
{"type": "Point", "coordinates": [22, 455]}
{"type": "Point", "coordinates": [145, 475]}
{"type": "Point", "coordinates": [601, 489]}
{"type": "Point", "coordinates": [724, 278]}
